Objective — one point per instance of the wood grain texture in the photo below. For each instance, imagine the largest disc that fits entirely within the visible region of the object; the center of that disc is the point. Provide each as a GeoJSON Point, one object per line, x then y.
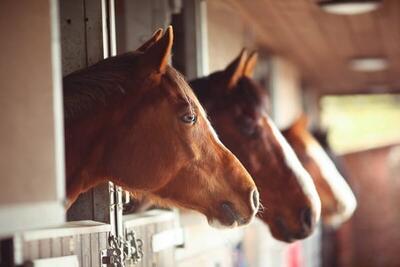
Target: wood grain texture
{"type": "Point", "coordinates": [321, 44]}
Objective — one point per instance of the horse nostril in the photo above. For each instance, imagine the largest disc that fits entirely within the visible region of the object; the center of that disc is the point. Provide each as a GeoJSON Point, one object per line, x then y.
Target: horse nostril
{"type": "Point", "coordinates": [255, 199]}
{"type": "Point", "coordinates": [230, 213]}
{"type": "Point", "coordinates": [306, 218]}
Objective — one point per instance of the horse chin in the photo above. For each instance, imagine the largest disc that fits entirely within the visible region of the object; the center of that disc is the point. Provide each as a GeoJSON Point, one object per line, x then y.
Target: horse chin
{"type": "Point", "coordinates": [281, 232]}
{"type": "Point", "coordinates": [281, 236]}
{"type": "Point", "coordinates": [334, 221]}
{"type": "Point", "coordinates": [215, 223]}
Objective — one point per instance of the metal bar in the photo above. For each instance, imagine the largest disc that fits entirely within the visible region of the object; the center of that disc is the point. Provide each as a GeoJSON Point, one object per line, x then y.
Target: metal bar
{"type": "Point", "coordinates": [195, 38]}
{"type": "Point", "coordinates": [112, 33]}
{"type": "Point", "coordinates": [104, 28]}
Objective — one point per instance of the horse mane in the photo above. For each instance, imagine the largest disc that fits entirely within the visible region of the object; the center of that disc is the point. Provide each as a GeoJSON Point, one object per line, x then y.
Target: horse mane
{"type": "Point", "coordinates": [86, 88]}
{"type": "Point", "coordinates": [96, 85]}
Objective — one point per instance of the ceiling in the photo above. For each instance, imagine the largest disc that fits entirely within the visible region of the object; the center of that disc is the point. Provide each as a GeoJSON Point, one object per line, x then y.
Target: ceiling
{"type": "Point", "coordinates": [321, 44]}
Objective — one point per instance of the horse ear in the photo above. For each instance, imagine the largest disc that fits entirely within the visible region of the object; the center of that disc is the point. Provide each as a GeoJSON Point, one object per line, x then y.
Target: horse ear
{"type": "Point", "coordinates": [251, 65]}
{"type": "Point", "coordinates": [235, 69]}
{"type": "Point", "coordinates": [156, 36]}
{"type": "Point", "coordinates": [157, 55]}
{"type": "Point", "coordinates": [301, 122]}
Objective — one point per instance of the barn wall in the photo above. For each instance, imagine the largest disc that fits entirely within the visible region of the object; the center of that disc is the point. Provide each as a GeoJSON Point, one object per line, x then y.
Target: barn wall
{"type": "Point", "coordinates": [31, 156]}
{"type": "Point", "coordinates": [227, 35]}
{"type": "Point", "coordinates": [137, 20]}
{"type": "Point", "coordinates": [286, 94]}
{"type": "Point", "coordinates": [371, 237]}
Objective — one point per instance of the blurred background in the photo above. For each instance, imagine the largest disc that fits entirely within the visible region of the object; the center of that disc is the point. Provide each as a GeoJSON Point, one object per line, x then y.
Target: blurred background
{"type": "Point", "coordinates": [337, 61]}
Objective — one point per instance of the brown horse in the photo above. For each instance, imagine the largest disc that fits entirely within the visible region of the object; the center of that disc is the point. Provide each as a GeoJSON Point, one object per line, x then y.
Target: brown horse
{"type": "Point", "coordinates": [237, 107]}
{"type": "Point", "coordinates": [133, 119]}
{"type": "Point", "coordinates": [338, 200]}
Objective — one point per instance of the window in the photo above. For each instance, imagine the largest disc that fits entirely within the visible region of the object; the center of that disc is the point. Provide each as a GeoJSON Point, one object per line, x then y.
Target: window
{"type": "Point", "coordinates": [358, 122]}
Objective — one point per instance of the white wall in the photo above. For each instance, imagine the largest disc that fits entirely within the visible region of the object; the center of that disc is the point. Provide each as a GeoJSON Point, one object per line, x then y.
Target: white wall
{"type": "Point", "coordinates": [227, 34]}
{"type": "Point", "coordinates": [136, 21]}
{"type": "Point", "coordinates": [31, 141]}
{"type": "Point", "coordinates": [286, 94]}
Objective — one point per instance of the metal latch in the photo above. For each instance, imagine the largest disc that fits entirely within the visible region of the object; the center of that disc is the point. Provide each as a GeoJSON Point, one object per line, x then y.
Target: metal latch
{"type": "Point", "coordinates": [134, 248]}
{"type": "Point", "coordinates": [114, 255]}
{"type": "Point", "coordinates": [122, 252]}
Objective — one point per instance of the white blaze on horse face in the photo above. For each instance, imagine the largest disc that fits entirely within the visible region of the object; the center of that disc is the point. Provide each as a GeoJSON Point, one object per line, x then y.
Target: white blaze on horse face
{"type": "Point", "coordinates": [215, 222]}
{"type": "Point", "coordinates": [341, 190]}
{"type": "Point", "coordinates": [303, 177]}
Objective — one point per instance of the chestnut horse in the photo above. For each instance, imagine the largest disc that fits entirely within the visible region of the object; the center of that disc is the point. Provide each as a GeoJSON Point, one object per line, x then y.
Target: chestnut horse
{"type": "Point", "coordinates": [338, 200]}
{"type": "Point", "coordinates": [237, 109]}
{"type": "Point", "coordinates": [132, 119]}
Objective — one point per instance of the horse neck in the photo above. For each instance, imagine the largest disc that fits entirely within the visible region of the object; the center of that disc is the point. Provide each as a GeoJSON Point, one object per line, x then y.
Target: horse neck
{"type": "Point", "coordinates": [88, 146]}
{"type": "Point", "coordinates": [85, 148]}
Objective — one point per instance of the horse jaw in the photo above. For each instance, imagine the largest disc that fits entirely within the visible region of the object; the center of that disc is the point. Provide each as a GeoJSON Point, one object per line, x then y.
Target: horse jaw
{"type": "Point", "coordinates": [341, 190]}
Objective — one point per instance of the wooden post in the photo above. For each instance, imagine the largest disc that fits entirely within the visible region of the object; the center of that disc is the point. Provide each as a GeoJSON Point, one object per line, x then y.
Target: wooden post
{"type": "Point", "coordinates": [195, 38]}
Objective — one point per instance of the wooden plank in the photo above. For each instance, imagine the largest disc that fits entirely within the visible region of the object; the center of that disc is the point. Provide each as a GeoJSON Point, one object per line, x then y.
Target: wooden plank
{"type": "Point", "coordinates": [95, 251]}
{"type": "Point", "coordinates": [134, 24]}
{"type": "Point", "coordinates": [103, 241]}
{"type": "Point", "coordinates": [367, 39]}
{"type": "Point", "coordinates": [86, 250]}
{"type": "Point", "coordinates": [78, 248]}
{"type": "Point", "coordinates": [33, 252]}
{"type": "Point", "coordinates": [73, 42]}
{"type": "Point", "coordinates": [365, 34]}
{"type": "Point", "coordinates": [67, 261]}
{"type": "Point", "coordinates": [67, 245]}
{"type": "Point", "coordinates": [283, 35]}
{"type": "Point", "coordinates": [101, 203]}
{"type": "Point", "coordinates": [94, 32]}
{"type": "Point", "coordinates": [313, 43]}
{"type": "Point", "coordinates": [44, 248]}
{"type": "Point", "coordinates": [195, 38]}
{"type": "Point", "coordinates": [388, 19]}
{"type": "Point", "coordinates": [67, 229]}
{"type": "Point", "coordinates": [321, 44]}
{"type": "Point", "coordinates": [166, 257]}
{"type": "Point", "coordinates": [56, 247]}
{"type": "Point", "coordinates": [336, 28]}
{"type": "Point", "coordinates": [149, 231]}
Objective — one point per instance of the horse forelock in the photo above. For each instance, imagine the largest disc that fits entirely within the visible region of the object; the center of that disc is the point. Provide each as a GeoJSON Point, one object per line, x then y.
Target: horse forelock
{"type": "Point", "coordinates": [210, 90]}
{"type": "Point", "coordinates": [252, 93]}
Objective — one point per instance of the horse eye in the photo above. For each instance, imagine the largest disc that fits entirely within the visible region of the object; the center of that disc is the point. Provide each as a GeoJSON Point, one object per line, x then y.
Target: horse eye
{"type": "Point", "coordinates": [189, 118]}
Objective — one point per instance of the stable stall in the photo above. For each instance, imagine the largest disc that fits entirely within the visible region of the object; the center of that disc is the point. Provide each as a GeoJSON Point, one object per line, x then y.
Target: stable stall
{"type": "Point", "coordinates": [305, 56]}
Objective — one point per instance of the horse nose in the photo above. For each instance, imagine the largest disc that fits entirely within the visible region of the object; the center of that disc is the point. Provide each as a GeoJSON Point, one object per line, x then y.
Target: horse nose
{"type": "Point", "coordinates": [255, 199]}
{"type": "Point", "coordinates": [306, 219]}
{"type": "Point", "coordinates": [230, 213]}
